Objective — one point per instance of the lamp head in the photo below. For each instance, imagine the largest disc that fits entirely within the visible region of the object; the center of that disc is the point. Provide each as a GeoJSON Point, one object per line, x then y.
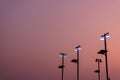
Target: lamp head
{"type": "Point", "coordinates": [102, 52]}
{"type": "Point", "coordinates": [77, 48]}
{"type": "Point", "coordinates": [97, 71]}
{"type": "Point", "coordinates": [61, 67]}
{"type": "Point", "coordinates": [107, 35]}
{"type": "Point", "coordinates": [102, 37]}
{"type": "Point", "coordinates": [98, 60]}
{"type": "Point", "coordinates": [74, 60]}
{"type": "Point", "coordinates": [63, 55]}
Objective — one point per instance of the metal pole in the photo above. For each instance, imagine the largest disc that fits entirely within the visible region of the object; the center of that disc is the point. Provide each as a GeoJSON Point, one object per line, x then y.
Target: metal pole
{"type": "Point", "coordinates": [107, 78]}
{"type": "Point", "coordinates": [63, 66]}
{"type": "Point", "coordinates": [78, 65]}
{"type": "Point", "coordinates": [99, 69]}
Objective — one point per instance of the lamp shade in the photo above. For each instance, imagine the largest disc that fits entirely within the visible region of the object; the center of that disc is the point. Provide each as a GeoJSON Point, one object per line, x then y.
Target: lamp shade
{"type": "Point", "coordinates": [74, 60]}
{"type": "Point", "coordinates": [77, 48]}
{"type": "Point", "coordinates": [63, 55]}
{"type": "Point", "coordinates": [107, 35]}
{"type": "Point", "coordinates": [102, 51]}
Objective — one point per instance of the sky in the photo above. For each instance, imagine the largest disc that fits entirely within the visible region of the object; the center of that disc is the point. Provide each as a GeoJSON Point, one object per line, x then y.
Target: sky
{"type": "Point", "coordinates": [34, 32]}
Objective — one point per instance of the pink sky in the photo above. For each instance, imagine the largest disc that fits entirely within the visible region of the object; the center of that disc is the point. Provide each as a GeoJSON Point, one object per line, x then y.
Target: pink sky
{"type": "Point", "coordinates": [34, 32]}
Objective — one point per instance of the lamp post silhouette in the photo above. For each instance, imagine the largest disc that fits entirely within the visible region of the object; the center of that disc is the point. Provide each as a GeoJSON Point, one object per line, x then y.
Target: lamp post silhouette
{"type": "Point", "coordinates": [77, 60]}
{"type": "Point", "coordinates": [63, 55]}
{"type": "Point", "coordinates": [104, 52]}
{"type": "Point", "coordinates": [98, 71]}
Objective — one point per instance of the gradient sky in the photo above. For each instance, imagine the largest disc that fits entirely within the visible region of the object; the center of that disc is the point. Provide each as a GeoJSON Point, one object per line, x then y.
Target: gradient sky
{"type": "Point", "coordinates": [34, 32]}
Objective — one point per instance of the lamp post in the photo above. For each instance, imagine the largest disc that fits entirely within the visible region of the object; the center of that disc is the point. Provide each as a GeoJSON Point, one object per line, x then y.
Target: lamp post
{"type": "Point", "coordinates": [63, 55]}
{"type": "Point", "coordinates": [104, 52]}
{"type": "Point", "coordinates": [77, 60]}
{"type": "Point", "coordinates": [98, 71]}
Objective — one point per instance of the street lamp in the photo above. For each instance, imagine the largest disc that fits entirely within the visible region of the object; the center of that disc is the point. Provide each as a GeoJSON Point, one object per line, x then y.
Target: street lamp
{"type": "Point", "coordinates": [63, 55]}
{"type": "Point", "coordinates": [98, 71]}
{"type": "Point", "coordinates": [104, 52]}
{"type": "Point", "coordinates": [77, 60]}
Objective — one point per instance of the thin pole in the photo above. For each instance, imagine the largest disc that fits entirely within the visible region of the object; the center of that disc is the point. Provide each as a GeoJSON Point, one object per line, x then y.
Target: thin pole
{"type": "Point", "coordinates": [107, 78]}
{"type": "Point", "coordinates": [99, 69]}
{"type": "Point", "coordinates": [78, 65]}
{"type": "Point", "coordinates": [63, 66]}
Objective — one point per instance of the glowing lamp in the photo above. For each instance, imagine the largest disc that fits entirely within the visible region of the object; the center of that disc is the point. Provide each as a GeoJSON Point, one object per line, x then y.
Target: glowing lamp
{"type": "Point", "coordinates": [77, 48]}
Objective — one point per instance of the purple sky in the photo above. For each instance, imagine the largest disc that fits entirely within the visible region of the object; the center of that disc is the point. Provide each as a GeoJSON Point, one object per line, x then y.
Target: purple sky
{"type": "Point", "coordinates": [34, 32]}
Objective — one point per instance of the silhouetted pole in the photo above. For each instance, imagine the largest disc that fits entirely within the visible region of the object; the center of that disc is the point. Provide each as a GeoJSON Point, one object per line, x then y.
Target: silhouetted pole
{"type": "Point", "coordinates": [77, 60]}
{"type": "Point", "coordinates": [63, 55]}
{"type": "Point", "coordinates": [98, 71]}
{"type": "Point", "coordinates": [78, 65]}
{"type": "Point", "coordinates": [62, 65]}
{"type": "Point", "coordinates": [103, 37]}
{"type": "Point", "coordinates": [107, 77]}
